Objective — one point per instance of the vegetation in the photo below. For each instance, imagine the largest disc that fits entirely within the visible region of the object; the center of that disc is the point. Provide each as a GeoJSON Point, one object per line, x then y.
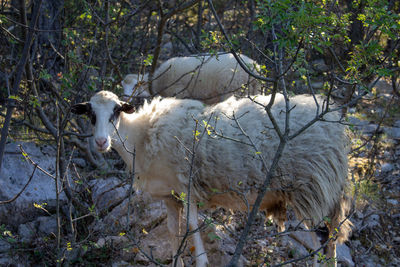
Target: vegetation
{"type": "Point", "coordinates": [55, 53]}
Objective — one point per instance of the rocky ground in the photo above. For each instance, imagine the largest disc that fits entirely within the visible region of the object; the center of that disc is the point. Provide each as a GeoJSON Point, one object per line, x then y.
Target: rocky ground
{"type": "Point", "coordinates": [116, 231]}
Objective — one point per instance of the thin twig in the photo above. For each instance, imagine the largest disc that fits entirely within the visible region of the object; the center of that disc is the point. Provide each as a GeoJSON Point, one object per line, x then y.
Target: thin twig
{"type": "Point", "coordinates": [238, 59]}
{"type": "Point", "coordinates": [22, 190]}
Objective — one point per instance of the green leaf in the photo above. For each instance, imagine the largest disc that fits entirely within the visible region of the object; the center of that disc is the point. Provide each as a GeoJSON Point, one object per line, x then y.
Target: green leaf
{"type": "Point", "coordinates": [214, 190]}
{"type": "Point", "coordinates": [149, 60]}
{"type": "Point", "coordinates": [15, 97]}
{"type": "Point", "coordinates": [212, 236]}
{"type": "Point", "coordinates": [44, 75]}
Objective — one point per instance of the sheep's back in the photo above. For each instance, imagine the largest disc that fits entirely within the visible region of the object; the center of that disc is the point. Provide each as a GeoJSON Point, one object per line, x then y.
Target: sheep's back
{"type": "Point", "coordinates": [209, 78]}
{"type": "Point", "coordinates": [311, 172]}
{"type": "Point", "coordinates": [313, 168]}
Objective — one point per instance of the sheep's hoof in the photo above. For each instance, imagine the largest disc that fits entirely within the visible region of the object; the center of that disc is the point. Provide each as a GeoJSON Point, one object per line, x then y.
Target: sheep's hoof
{"type": "Point", "coordinates": [202, 261]}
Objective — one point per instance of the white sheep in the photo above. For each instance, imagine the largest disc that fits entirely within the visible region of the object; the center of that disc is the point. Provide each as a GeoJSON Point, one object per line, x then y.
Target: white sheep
{"type": "Point", "coordinates": [311, 175]}
{"type": "Point", "coordinates": [210, 78]}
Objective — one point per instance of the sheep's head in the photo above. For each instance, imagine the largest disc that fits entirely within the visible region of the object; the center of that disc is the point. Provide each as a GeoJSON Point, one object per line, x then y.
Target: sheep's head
{"type": "Point", "coordinates": [103, 109]}
{"type": "Point", "coordinates": [130, 83]}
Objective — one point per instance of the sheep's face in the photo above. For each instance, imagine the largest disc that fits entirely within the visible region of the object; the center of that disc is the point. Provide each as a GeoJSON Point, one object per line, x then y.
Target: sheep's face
{"type": "Point", "coordinates": [130, 83]}
{"type": "Point", "coordinates": [104, 111]}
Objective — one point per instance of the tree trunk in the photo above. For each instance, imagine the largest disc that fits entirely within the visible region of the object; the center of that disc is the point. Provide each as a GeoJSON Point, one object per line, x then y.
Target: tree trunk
{"type": "Point", "coordinates": [50, 36]}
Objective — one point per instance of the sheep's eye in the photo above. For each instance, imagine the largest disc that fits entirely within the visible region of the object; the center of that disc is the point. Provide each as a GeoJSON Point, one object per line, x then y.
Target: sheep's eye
{"type": "Point", "coordinates": [92, 118]}
{"type": "Point", "coordinates": [115, 114]}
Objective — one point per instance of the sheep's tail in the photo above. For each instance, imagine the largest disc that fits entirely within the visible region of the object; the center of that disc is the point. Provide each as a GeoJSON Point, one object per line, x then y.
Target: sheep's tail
{"type": "Point", "coordinates": [341, 224]}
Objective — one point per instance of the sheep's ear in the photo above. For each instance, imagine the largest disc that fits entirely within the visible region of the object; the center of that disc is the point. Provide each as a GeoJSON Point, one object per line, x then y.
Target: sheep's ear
{"type": "Point", "coordinates": [81, 108]}
{"type": "Point", "coordinates": [127, 108]}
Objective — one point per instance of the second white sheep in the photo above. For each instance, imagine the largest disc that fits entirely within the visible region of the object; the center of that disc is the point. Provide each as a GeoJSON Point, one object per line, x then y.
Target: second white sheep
{"type": "Point", "coordinates": [210, 79]}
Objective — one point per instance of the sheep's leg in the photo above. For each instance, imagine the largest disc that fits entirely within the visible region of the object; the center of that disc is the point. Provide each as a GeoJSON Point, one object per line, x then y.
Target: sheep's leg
{"type": "Point", "coordinates": [316, 245]}
{"type": "Point", "coordinates": [201, 256]}
{"type": "Point", "coordinates": [331, 247]}
{"type": "Point", "coordinates": [331, 253]}
{"type": "Point", "coordinates": [174, 210]}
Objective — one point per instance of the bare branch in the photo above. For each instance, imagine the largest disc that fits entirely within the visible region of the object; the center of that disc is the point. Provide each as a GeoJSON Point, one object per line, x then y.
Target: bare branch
{"type": "Point", "coordinates": [22, 190]}
{"type": "Point", "coordinates": [11, 102]}
{"type": "Point", "coordinates": [239, 60]}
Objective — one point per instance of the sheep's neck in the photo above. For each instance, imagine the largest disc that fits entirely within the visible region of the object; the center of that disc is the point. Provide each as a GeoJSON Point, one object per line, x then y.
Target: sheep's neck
{"type": "Point", "coordinates": [130, 138]}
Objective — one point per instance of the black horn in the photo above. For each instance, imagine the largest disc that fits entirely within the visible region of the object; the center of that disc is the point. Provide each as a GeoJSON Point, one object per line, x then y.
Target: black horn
{"type": "Point", "coordinates": [81, 108]}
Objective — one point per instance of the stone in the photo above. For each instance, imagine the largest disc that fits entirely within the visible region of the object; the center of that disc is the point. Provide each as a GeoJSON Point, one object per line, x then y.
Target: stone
{"type": "Point", "coordinates": [121, 264]}
{"type": "Point", "coordinates": [157, 242]}
{"type": "Point", "coordinates": [12, 260]}
{"type": "Point", "coordinates": [352, 110]}
{"type": "Point", "coordinates": [15, 174]}
{"type": "Point", "coordinates": [319, 65]}
{"type": "Point", "coordinates": [80, 162]}
{"type": "Point", "coordinates": [4, 246]}
{"type": "Point", "coordinates": [356, 122]}
{"type": "Point", "coordinates": [115, 241]}
{"type": "Point", "coordinates": [387, 167]}
{"type": "Point", "coordinates": [317, 85]}
{"type": "Point", "coordinates": [372, 221]}
{"type": "Point", "coordinates": [107, 192]}
{"type": "Point", "coordinates": [220, 246]}
{"type": "Point", "coordinates": [296, 249]}
{"type": "Point", "coordinates": [368, 129]}
{"type": "Point", "coordinates": [156, 212]}
{"type": "Point", "coordinates": [343, 255]}
{"type": "Point", "coordinates": [300, 88]}
{"type": "Point", "coordinates": [392, 132]}
{"type": "Point", "coordinates": [143, 213]}
{"type": "Point", "coordinates": [117, 218]}
{"type": "Point", "coordinates": [383, 86]}
{"type": "Point", "coordinates": [304, 238]}
{"type": "Point", "coordinates": [370, 261]}
{"type": "Point", "coordinates": [167, 48]}
{"type": "Point", "coordinates": [27, 231]}
{"type": "Point", "coordinates": [47, 225]}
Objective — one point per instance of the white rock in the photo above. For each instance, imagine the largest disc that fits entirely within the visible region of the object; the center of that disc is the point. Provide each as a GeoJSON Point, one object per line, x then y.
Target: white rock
{"type": "Point", "coordinates": [121, 264]}
{"type": "Point", "coordinates": [303, 238]}
{"type": "Point", "coordinates": [12, 260]}
{"type": "Point", "coordinates": [297, 249]}
{"type": "Point", "coordinates": [357, 122]}
{"type": "Point", "coordinates": [80, 162]}
{"type": "Point", "coordinates": [372, 221]}
{"type": "Point", "coordinates": [27, 231]}
{"type": "Point", "coordinates": [393, 132]}
{"type": "Point", "coordinates": [387, 167]}
{"type": "Point", "coordinates": [352, 110]}
{"type": "Point", "coordinates": [370, 261]}
{"type": "Point", "coordinates": [393, 202]}
{"type": "Point", "coordinates": [317, 85]}
{"type": "Point", "coordinates": [15, 173]}
{"type": "Point", "coordinates": [383, 86]}
{"type": "Point", "coordinates": [368, 129]}
{"type": "Point", "coordinates": [319, 65]}
{"type": "Point", "coordinates": [107, 192]}
{"type": "Point", "coordinates": [158, 242]}
{"type": "Point", "coordinates": [117, 241]}
{"type": "Point", "coordinates": [47, 225]}
{"type": "Point", "coordinates": [4, 246]}
{"type": "Point", "coordinates": [344, 256]}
